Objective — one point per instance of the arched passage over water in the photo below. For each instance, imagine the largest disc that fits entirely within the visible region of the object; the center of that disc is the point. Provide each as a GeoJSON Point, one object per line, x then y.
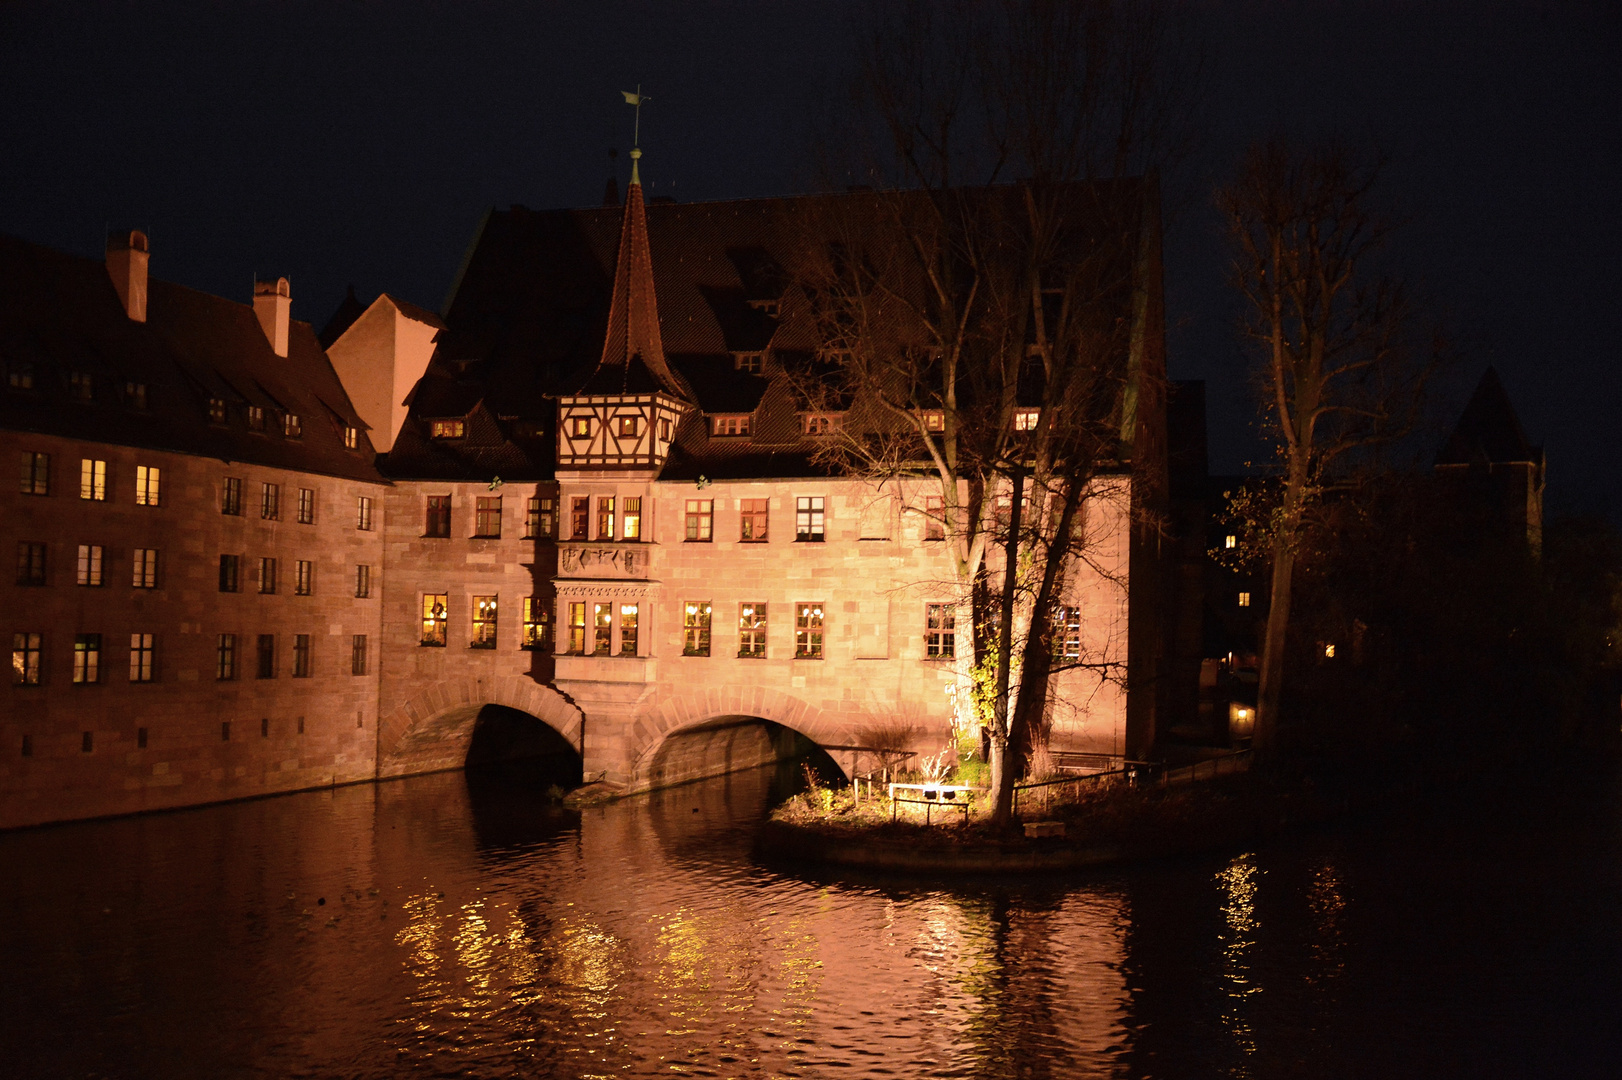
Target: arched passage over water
{"type": "Point", "coordinates": [729, 744]}
{"type": "Point", "coordinates": [434, 730]}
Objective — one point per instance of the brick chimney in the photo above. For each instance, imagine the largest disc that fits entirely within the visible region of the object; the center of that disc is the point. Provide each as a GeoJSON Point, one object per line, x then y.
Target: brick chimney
{"type": "Point", "coordinates": [273, 304]}
{"type": "Point", "coordinates": [127, 257]}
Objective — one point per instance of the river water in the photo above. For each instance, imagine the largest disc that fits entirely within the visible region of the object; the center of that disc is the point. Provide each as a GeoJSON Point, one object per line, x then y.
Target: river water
{"type": "Point", "coordinates": [427, 927]}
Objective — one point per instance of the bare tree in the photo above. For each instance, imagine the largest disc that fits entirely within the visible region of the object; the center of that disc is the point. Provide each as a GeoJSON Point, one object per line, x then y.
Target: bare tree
{"type": "Point", "coordinates": [992, 339]}
{"type": "Point", "coordinates": [1335, 374]}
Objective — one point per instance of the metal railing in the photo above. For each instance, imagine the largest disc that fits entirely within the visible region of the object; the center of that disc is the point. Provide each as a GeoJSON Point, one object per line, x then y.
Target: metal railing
{"type": "Point", "coordinates": [1130, 771]}
{"type": "Point", "coordinates": [944, 796]}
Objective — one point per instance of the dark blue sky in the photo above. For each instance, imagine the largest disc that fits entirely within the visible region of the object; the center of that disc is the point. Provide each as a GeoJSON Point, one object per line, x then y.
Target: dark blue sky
{"type": "Point", "coordinates": [360, 142]}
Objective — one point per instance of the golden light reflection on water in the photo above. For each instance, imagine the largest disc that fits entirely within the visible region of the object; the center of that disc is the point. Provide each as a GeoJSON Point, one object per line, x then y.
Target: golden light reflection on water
{"type": "Point", "coordinates": [1238, 882]}
{"type": "Point", "coordinates": [1327, 901]}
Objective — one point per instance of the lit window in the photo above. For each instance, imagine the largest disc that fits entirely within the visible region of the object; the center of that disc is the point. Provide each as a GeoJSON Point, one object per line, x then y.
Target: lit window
{"type": "Point", "coordinates": [487, 517]}
{"type": "Point", "coordinates": [1067, 632]}
{"type": "Point", "coordinates": [934, 518]}
{"type": "Point", "coordinates": [819, 424]}
{"type": "Point", "coordinates": [135, 395]}
{"type": "Point", "coordinates": [225, 657]}
{"type": "Point", "coordinates": [940, 631]}
{"type": "Point", "coordinates": [696, 628]}
{"type": "Point", "coordinates": [577, 628]}
{"type": "Point", "coordinates": [537, 616]}
{"type": "Point", "coordinates": [700, 518]}
{"type": "Point", "coordinates": [306, 506]}
{"type": "Point", "coordinates": [216, 410]}
{"type": "Point", "coordinates": [731, 425]}
{"type": "Point", "coordinates": [352, 441]}
{"type": "Point", "coordinates": [144, 568]}
{"type": "Point", "coordinates": [753, 516]}
{"type": "Point", "coordinates": [808, 519]}
{"type": "Point", "coordinates": [363, 513]}
{"type": "Point", "coordinates": [808, 631]}
{"type": "Point", "coordinates": [87, 658]}
{"type": "Point", "coordinates": [751, 362]}
{"type": "Point", "coordinates": [357, 654]}
{"type": "Point", "coordinates": [449, 429]}
{"type": "Point", "coordinates": [267, 576]}
{"type": "Point", "coordinates": [631, 520]}
{"type": "Point", "coordinates": [270, 501]}
{"type": "Point", "coordinates": [579, 427]}
{"type": "Point", "coordinates": [752, 630]}
{"type": "Point", "coordinates": [630, 427]}
{"type": "Point", "coordinates": [30, 562]}
{"type": "Point", "coordinates": [231, 496]}
{"type": "Point", "coordinates": [434, 617]}
{"type": "Point", "coordinates": [93, 480]}
{"type": "Point", "coordinates": [148, 485]}
{"type": "Point", "coordinates": [605, 517]}
{"type": "Point", "coordinates": [628, 617]}
{"type": "Point", "coordinates": [484, 622]}
{"type": "Point", "coordinates": [934, 420]}
{"type": "Point", "coordinates": [1244, 599]}
{"type": "Point", "coordinates": [25, 654]}
{"type": "Point", "coordinates": [579, 518]}
{"type": "Point", "coordinates": [81, 385]}
{"type": "Point", "coordinates": [301, 656]}
{"type": "Point", "coordinates": [1230, 541]}
{"type": "Point", "coordinates": [256, 418]}
{"type": "Point", "coordinates": [664, 429]}
{"type": "Point", "coordinates": [89, 564]}
{"type": "Point", "coordinates": [1329, 651]}
{"type": "Point", "coordinates": [36, 473]}
{"type": "Point", "coordinates": [363, 581]}
{"type": "Point", "coordinates": [141, 657]}
{"type": "Point", "coordinates": [439, 516]}
{"type": "Point", "coordinates": [292, 426]}
{"type": "Point", "coordinates": [20, 376]}
{"type": "Point", "coordinates": [602, 629]}
{"type": "Point", "coordinates": [538, 519]}
{"type": "Point", "coordinates": [267, 656]}
{"type": "Point", "coordinates": [230, 573]}
{"type": "Point", "coordinates": [303, 577]}
{"type": "Point", "coordinates": [1025, 419]}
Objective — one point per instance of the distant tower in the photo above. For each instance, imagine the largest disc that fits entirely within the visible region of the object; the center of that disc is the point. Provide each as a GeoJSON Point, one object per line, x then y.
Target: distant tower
{"type": "Point", "coordinates": [1492, 463]}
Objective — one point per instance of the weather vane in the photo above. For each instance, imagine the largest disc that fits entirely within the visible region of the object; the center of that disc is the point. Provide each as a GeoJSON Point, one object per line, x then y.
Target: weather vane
{"type": "Point", "coordinates": [636, 97]}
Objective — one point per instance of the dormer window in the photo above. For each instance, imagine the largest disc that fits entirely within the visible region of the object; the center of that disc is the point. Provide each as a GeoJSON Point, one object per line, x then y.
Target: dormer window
{"type": "Point", "coordinates": [256, 418]}
{"type": "Point", "coordinates": [135, 395]}
{"type": "Point", "coordinates": [752, 362]}
{"type": "Point", "coordinates": [730, 425]}
{"type": "Point", "coordinates": [1025, 419]}
{"type": "Point", "coordinates": [81, 385]}
{"type": "Point", "coordinates": [351, 437]}
{"type": "Point", "coordinates": [292, 426]}
{"type": "Point", "coordinates": [819, 423]}
{"type": "Point", "coordinates": [664, 430]}
{"type": "Point", "coordinates": [216, 410]}
{"type": "Point", "coordinates": [579, 427]}
{"type": "Point", "coordinates": [934, 420]}
{"type": "Point", "coordinates": [449, 429]}
{"type": "Point", "coordinates": [630, 426]}
{"type": "Point", "coordinates": [765, 307]}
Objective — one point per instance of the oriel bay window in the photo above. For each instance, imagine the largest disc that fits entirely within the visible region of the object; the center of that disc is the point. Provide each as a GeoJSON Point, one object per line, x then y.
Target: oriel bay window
{"type": "Point", "coordinates": [579, 517]}
{"type": "Point", "coordinates": [602, 629]}
{"type": "Point", "coordinates": [537, 616]}
{"type": "Point", "coordinates": [439, 516]}
{"type": "Point", "coordinates": [752, 630]}
{"type": "Point", "coordinates": [605, 517]}
{"type": "Point", "coordinates": [752, 518]}
{"type": "Point", "coordinates": [577, 628]}
{"type": "Point", "coordinates": [940, 631]}
{"type": "Point", "coordinates": [87, 658]}
{"type": "Point", "coordinates": [484, 622]}
{"type": "Point", "coordinates": [628, 619]}
{"type": "Point", "coordinates": [142, 654]}
{"type": "Point", "coordinates": [631, 520]}
{"type": "Point", "coordinates": [487, 517]}
{"type": "Point", "coordinates": [696, 628]}
{"type": "Point", "coordinates": [808, 631]}
{"type": "Point", "coordinates": [700, 519]}
{"type": "Point", "coordinates": [808, 519]}
{"type": "Point", "coordinates": [434, 619]}
{"type": "Point", "coordinates": [90, 560]}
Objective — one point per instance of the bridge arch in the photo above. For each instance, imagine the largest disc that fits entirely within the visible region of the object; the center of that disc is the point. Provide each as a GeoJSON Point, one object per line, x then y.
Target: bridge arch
{"type": "Point", "coordinates": [433, 729]}
{"type": "Point", "coordinates": [721, 709]}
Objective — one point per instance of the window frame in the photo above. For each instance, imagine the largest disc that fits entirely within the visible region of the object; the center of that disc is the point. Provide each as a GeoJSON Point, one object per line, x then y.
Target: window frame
{"type": "Point", "coordinates": [303, 577]}
{"type": "Point", "coordinates": [810, 519]}
{"type": "Point", "coordinates": [36, 473]}
{"type": "Point", "coordinates": [303, 665]}
{"type": "Point", "coordinates": [485, 612]}
{"type": "Point", "coordinates": [810, 629]}
{"type": "Point", "coordinates": [435, 620]}
{"type": "Point", "coordinates": [537, 624]}
{"type": "Point", "coordinates": [940, 631]}
{"type": "Point", "coordinates": [92, 564]}
{"type": "Point", "coordinates": [752, 626]}
{"type": "Point", "coordinates": [92, 480]}
{"type": "Point", "coordinates": [267, 575]}
{"type": "Point", "coordinates": [225, 657]}
{"type": "Point", "coordinates": [699, 521]}
{"type": "Point", "coordinates": [753, 513]}
{"type": "Point", "coordinates": [697, 616]}
{"type": "Point", "coordinates": [306, 506]}
{"type": "Point", "coordinates": [580, 517]}
{"type": "Point", "coordinates": [265, 657]}
{"type": "Point", "coordinates": [437, 523]}
{"type": "Point", "coordinates": [270, 501]}
{"type": "Point", "coordinates": [231, 496]}
{"type": "Point", "coordinates": [487, 517]}
{"type": "Point", "coordinates": [363, 581]}
{"type": "Point", "coordinates": [631, 518]}
{"type": "Point", "coordinates": [357, 654]}
{"type": "Point", "coordinates": [86, 659]}
{"type": "Point", "coordinates": [33, 560]}
{"type": "Point", "coordinates": [145, 568]}
{"type": "Point", "coordinates": [363, 513]}
{"type": "Point", "coordinates": [27, 658]}
{"type": "Point", "coordinates": [143, 657]}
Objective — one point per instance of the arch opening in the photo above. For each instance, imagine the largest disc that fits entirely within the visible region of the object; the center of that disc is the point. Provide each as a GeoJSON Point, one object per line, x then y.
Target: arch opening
{"type": "Point", "coordinates": [513, 744]}
{"type": "Point", "coordinates": [735, 743]}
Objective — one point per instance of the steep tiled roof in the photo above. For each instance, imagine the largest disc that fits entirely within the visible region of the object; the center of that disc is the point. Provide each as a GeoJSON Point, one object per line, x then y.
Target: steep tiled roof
{"type": "Point", "coordinates": [1489, 430]}
{"type": "Point", "coordinates": [59, 314]}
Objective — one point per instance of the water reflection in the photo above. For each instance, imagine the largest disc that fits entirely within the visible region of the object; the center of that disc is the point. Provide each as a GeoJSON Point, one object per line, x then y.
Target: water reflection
{"type": "Point", "coordinates": [467, 927]}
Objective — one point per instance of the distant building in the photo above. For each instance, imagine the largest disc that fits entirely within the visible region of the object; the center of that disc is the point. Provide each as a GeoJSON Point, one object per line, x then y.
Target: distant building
{"type": "Point", "coordinates": [1491, 466]}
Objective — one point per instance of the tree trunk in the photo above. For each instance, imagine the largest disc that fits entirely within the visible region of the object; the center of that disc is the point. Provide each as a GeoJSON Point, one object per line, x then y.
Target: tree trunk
{"type": "Point", "coordinates": [1003, 757]}
{"type": "Point", "coordinates": [1264, 737]}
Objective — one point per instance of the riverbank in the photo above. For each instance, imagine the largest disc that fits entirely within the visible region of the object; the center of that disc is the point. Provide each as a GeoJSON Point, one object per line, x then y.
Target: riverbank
{"type": "Point", "coordinates": [1114, 825]}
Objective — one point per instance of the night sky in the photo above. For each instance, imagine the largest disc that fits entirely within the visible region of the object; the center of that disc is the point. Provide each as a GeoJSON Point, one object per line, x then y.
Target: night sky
{"type": "Point", "coordinates": [339, 143]}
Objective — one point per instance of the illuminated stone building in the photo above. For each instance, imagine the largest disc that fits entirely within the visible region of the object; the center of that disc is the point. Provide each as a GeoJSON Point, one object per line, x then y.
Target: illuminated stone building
{"type": "Point", "coordinates": [595, 499]}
